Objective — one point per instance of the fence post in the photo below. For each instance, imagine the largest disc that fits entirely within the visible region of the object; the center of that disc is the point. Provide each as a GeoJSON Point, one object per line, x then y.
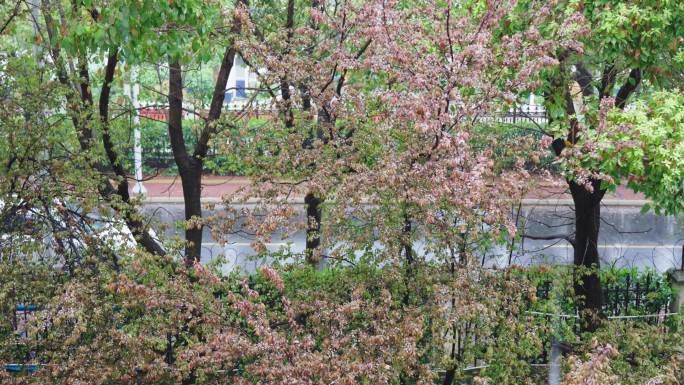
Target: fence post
{"type": "Point", "coordinates": [555, 362]}
{"type": "Point", "coordinates": [676, 278]}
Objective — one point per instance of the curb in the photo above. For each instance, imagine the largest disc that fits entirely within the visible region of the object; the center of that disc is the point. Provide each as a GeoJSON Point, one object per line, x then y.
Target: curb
{"type": "Point", "coordinates": [525, 202]}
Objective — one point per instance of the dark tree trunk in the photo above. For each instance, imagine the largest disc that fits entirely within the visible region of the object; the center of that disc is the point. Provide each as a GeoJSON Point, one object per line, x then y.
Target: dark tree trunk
{"type": "Point", "coordinates": [190, 168]}
{"type": "Point", "coordinates": [192, 196]}
{"type": "Point", "coordinates": [586, 256]}
{"type": "Point", "coordinates": [449, 376]}
{"type": "Point", "coordinates": [588, 203]}
{"type": "Point", "coordinates": [406, 240]}
{"type": "Point", "coordinates": [313, 202]}
{"type": "Point", "coordinates": [313, 228]}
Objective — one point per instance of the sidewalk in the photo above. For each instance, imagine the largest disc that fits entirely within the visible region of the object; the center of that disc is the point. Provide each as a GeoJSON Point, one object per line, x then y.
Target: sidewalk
{"type": "Point", "coordinates": [169, 190]}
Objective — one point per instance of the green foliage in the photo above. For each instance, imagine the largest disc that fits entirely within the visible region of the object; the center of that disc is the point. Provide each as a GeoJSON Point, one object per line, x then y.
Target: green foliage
{"type": "Point", "coordinates": [158, 158]}
{"type": "Point", "coordinates": [141, 29]}
{"type": "Point", "coordinates": [641, 34]}
{"type": "Point", "coordinates": [645, 146]}
{"type": "Point", "coordinates": [660, 293]}
{"type": "Point", "coordinates": [616, 37]}
{"type": "Point", "coordinates": [645, 351]}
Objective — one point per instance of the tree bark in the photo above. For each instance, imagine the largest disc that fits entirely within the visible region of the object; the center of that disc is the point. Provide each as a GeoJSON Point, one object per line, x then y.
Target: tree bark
{"type": "Point", "coordinates": [449, 376]}
{"type": "Point", "coordinates": [313, 228]}
{"type": "Point", "coordinates": [191, 180]}
{"type": "Point", "coordinates": [628, 88]}
{"type": "Point", "coordinates": [189, 168]}
{"type": "Point", "coordinates": [587, 283]}
{"type": "Point", "coordinates": [313, 202]}
{"type": "Point", "coordinates": [406, 239]}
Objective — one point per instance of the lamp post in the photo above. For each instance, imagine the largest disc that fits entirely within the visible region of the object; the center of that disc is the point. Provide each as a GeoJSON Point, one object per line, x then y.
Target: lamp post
{"type": "Point", "coordinates": [133, 89]}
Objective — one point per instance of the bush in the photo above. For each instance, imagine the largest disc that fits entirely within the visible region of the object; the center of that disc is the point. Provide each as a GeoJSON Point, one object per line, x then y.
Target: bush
{"type": "Point", "coordinates": [158, 158]}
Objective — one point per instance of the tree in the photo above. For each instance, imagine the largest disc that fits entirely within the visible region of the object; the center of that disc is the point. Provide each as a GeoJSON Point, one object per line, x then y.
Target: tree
{"type": "Point", "coordinates": [56, 170]}
{"type": "Point", "coordinates": [625, 46]}
{"type": "Point", "coordinates": [398, 159]}
{"type": "Point", "coordinates": [396, 152]}
{"type": "Point", "coordinates": [105, 35]}
{"type": "Point", "coordinates": [67, 43]}
{"type": "Point", "coordinates": [190, 166]}
{"type": "Point", "coordinates": [401, 103]}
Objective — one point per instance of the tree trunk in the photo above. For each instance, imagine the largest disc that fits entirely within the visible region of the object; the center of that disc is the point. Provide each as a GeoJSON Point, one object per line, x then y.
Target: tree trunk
{"type": "Point", "coordinates": [189, 168]}
{"type": "Point", "coordinates": [587, 203]}
{"type": "Point", "coordinates": [449, 376]}
{"type": "Point", "coordinates": [313, 202]}
{"type": "Point", "coordinates": [313, 228]}
{"type": "Point", "coordinates": [192, 194]}
{"type": "Point", "coordinates": [586, 257]}
{"type": "Point", "coordinates": [406, 243]}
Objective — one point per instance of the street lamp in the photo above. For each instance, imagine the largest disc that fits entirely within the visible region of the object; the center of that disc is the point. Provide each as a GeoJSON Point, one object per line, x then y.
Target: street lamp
{"type": "Point", "coordinates": [133, 90]}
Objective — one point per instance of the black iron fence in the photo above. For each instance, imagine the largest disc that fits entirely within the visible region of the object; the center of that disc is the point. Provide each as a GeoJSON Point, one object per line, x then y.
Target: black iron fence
{"type": "Point", "coordinates": [157, 155]}
{"type": "Point", "coordinates": [628, 296]}
{"type": "Point", "coordinates": [520, 114]}
{"type": "Point", "coordinates": [628, 293]}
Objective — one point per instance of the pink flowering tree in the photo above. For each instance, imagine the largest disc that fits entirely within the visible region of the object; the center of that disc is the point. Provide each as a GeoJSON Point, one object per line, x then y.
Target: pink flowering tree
{"type": "Point", "coordinates": [384, 127]}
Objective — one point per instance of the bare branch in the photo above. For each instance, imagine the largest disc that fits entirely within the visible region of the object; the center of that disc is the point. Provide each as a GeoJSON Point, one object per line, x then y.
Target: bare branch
{"type": "Point", "coordinates": [551, 237]}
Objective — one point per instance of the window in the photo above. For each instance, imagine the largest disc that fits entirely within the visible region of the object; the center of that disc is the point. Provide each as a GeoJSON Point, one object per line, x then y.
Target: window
{"type": "Point", "coordinates": [240, 89]}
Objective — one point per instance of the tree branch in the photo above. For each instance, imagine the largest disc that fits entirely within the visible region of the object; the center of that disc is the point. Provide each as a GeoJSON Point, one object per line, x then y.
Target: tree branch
{"type": "Point", "coordinates": [340, 83]}
{"type": "Point", "coordinates": [175, 116]}
{"type": "Point", "coordinates": [216, 105]}
{"type": "Point", "coordinates": [284, 83]}
{"type": "Point", "coordinates": [628, 88]}
{"type": "Point", "coordinates": [103, 107]}
{"type": "Point", "coordinates": [136, 226]}
{"type": "Point", "coordinates": [551, 237]}
{"type": "Point", "coordinates": [218, 97]}
{"type": "Point", "coordinates": [583, 77]}
{"type": "Point", "coordinates": [11, 17]}
{"type": "Point", "coordinates": [607, 81]}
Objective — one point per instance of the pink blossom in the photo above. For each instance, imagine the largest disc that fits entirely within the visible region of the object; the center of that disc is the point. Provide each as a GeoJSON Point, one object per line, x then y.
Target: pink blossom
{"type": "Point", "coordinates": [272, 276]}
